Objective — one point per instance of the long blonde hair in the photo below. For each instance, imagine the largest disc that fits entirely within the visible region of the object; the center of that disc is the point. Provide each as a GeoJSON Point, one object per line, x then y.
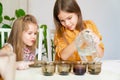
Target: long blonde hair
{"type": "Point", "coordinates": [15, 38]}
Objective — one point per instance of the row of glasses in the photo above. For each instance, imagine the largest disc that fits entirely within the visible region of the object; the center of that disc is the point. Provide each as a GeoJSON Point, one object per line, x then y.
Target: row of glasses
{"type": "Point", "coordinates": [66, 67]}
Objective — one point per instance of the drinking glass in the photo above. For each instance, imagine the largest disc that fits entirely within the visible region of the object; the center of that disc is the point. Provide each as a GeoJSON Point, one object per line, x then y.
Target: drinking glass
{"type": "Point", "coordinates": [48, 68]}
{"type": "Point", "coordinates": [79, 67]}
{"type": "Point", "coordinates": [64, 67]}
{"type": "Point", "coordinates": [94, 67]}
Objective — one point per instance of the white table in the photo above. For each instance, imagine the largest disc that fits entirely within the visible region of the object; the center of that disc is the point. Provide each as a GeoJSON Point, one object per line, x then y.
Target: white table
{"type": "Point", "coordinates": [110, 71]}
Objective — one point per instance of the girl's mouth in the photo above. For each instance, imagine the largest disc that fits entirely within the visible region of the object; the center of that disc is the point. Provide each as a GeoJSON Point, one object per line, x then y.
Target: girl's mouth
{"type": "Point", "coordinates": [33, 41]}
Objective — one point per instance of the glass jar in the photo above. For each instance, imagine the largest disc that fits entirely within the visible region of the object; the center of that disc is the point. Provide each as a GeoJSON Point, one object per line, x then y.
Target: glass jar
{"type": "Point", "coordinates": [79, 68]}
{"type": "Point", "coordinates": [94, 67]}
{"type": "Point", "coordinates": [85, 44]}
{"type": "Point", "coordinates": [48, 68]}
{"type": "Point", "coordinates": [64, 67]}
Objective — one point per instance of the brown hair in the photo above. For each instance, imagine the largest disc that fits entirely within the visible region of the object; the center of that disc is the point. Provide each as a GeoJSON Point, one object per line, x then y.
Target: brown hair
{"type": "Point", "coordinates": [15, 38]}
{"type": "Point", "coordinates": [70, 6]}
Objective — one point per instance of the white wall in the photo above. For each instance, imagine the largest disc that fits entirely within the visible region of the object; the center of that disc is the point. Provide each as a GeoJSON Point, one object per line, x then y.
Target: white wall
{"type": "Point", "coordinates": [105, 13]}
{"type": "Point", "coordinates": [42, 9]}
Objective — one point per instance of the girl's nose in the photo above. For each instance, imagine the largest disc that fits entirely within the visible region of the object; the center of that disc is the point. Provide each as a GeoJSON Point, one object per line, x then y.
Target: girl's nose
{"type": "Point", "coordinates": [67, 22]}
{"type": "Point", "coordinates": [34, 36]}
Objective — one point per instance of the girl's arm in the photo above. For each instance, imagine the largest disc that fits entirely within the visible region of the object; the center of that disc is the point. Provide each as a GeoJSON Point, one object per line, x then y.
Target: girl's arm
{"type": "Point", "coordinates": [68, 51]}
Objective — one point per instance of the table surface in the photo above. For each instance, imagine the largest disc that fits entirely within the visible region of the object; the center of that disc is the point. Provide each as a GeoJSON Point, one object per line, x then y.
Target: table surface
{"type": "Point", "coordinates": [110, 71]}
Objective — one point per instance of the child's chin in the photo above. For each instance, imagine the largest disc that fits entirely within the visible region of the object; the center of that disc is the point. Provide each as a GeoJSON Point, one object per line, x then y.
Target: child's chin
{"type": "Point", "coordinates": [30, 45]}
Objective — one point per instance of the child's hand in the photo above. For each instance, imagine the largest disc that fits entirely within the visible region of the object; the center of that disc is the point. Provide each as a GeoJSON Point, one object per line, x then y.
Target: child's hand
{"type": "Point", "coordinates": [21, 65]}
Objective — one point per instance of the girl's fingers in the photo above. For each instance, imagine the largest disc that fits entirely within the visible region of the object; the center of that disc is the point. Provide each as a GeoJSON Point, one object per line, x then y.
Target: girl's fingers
{"type": "Point", "coordinates": [30, 62]}
{"type": "Point", "coordinates": [21, 65]}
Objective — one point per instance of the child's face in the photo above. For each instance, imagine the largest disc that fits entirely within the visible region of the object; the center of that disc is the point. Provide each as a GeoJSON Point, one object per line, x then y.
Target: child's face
{"type": "Point", "coordinates": [69, 20]}
{"type": "Point", "coordinates": [29, 36]}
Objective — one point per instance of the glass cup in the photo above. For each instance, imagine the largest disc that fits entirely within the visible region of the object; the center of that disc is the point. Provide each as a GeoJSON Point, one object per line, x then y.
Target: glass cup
{"type": "Point", "coordinates": [94, 67]}
{"type": "Point", "coordinates": [64, 67]}
{"type": "Point", "coordinates": [79, 68]}
{"type": "Point", "coordinates": [48, 68]}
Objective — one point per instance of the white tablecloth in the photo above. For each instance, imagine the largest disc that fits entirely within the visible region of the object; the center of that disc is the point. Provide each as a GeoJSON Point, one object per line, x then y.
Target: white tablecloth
{"type": "Point", "coordinates": [110, 71]}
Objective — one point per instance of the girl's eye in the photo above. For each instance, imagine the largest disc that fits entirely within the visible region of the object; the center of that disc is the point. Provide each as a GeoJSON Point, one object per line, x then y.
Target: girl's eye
{"type": "Point", "coordinates": [35, 33]}
{"type": "Point", "coordinates": [61, 21]}
{"type": "Point", "coordinates": [29, 33]}
{"type": "Point", "coordinates": [69, 18]}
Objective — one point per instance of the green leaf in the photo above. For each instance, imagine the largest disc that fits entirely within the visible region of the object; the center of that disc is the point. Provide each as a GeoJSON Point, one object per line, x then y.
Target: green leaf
{"type": "Point", "coordinates": [6, 17]}
{"type": "Point", "coordinates": [1, 19]}
{"type": "Point", "coordinates": [19, 13]}
{"type": "Point", "coordinates": [43, 26]}
{"type": "Point", "coordinates": [6, 26]}
{"type": "Point", "coordinates": [1, 9]}
{"type": "Point", "coordinates": [13, 18]}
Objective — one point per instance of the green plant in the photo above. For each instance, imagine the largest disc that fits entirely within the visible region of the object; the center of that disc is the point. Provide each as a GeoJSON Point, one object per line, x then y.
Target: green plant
{"type": "Point", "coordinates": [3, 18]}
{"type": "Point", "coordinates": [53, 49]}
{"type": "Point", "coordinates": [44, 42]}
{"type": "Point", "coordinates": [18, 13]}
